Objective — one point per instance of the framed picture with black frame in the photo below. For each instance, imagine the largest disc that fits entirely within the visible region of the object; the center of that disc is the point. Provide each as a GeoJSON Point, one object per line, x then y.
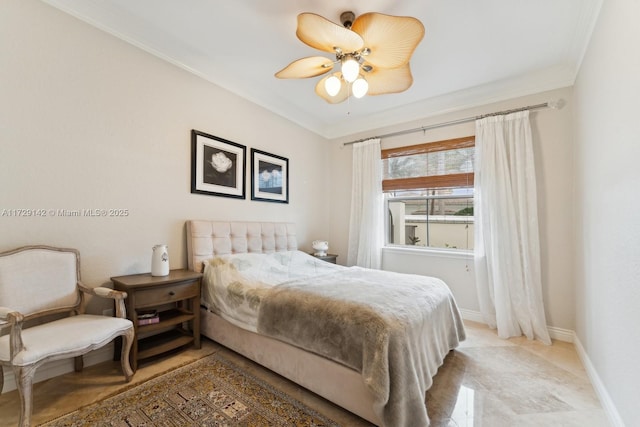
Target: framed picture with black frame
{"type": "Point", "coordinates": [217, 166]}
{"type": "Point", "coordinates": [269, 177]}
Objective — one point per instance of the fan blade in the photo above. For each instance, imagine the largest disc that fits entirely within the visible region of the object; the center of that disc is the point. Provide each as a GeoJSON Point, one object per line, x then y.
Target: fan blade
{"type": "Point", "coordinates": [320, 33]}
{"type": "Point", "coordinates": [340, 96]}
{"type": "Point", "coordinates": [306, 67]}
{"type": "Point", "coordinates": [389, 80]}
{"type": "Point", "coordinates": [392, 39]}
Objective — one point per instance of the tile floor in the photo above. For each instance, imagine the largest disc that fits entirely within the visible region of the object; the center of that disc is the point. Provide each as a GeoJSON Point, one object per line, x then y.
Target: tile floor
{"type": "Point", "coordinates": [485, 382]}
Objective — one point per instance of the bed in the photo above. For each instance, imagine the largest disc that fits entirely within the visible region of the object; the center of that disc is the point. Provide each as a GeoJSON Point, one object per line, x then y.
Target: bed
{"type": "Point", "coordinates": [369, 341]}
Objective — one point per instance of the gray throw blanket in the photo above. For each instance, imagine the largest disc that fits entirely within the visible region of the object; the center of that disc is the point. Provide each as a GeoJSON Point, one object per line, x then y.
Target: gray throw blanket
{"type": "Point", "coordinates": [395, 329]}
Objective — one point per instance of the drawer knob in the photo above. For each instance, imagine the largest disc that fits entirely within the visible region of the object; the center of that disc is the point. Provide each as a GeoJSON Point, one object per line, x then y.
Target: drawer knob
{"type": "Point", "coordinates": [172, 293]}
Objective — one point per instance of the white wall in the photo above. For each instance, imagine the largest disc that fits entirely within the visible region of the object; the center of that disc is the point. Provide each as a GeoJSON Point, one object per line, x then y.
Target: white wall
{"type": "Point", "coordinates": [552, 135]}
{"type": "Point", "coordinates": [607, 181]}
{"type": "Point", "coordinates": [89, 121]}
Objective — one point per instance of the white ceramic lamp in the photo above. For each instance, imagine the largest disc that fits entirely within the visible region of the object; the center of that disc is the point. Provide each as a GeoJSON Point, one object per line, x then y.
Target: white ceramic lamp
{"type": "Point", "coordinates": [320, 247]}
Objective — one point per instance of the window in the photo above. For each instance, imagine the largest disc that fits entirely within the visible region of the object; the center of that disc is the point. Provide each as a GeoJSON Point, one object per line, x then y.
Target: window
{"type": "Point", "coordinates": [429, 194]}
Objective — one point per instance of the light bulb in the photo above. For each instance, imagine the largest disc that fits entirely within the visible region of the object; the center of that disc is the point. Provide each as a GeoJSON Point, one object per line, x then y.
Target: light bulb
{"type": "Point", "coordinates": [332, 85]}
{"type": "Point", "coordinates": [350, 69]}
{"type": "Point", "coordinates": [360, 88]}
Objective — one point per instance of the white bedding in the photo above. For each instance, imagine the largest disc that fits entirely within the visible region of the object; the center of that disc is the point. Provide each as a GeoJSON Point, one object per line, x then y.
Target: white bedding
{"type": "Point", "coordinates": [234, 284]}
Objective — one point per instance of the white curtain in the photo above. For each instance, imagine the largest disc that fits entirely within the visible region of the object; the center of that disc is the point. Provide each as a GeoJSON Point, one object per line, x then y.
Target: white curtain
{"type": "Point", "coordinates": [366, 223]}
{"type": "Point", "coordinates": [507, 249]}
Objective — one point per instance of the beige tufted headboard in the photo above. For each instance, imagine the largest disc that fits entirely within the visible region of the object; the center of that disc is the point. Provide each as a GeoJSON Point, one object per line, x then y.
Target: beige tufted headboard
{"type": "Point", "coordinates": [205, 239]}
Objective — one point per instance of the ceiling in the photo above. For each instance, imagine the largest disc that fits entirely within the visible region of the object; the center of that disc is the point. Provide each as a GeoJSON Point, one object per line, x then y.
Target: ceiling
{"type": "Point", "coordinates": [473, 53]}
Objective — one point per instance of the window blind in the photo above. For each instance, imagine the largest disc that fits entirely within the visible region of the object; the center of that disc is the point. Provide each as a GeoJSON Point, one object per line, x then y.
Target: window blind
{"type": "Point", "coordinates": [440, 164]}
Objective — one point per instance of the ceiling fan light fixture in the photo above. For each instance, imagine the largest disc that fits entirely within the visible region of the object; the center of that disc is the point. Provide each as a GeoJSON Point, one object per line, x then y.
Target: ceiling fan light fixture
{"type": "Point", "coordinates": [350, 69]}
{"type": "Point", "coordinates": [359, 87]}
{"type": "Point", "coordinates": [373, 50]}
{"type": "Point", "coordinates": [332, 85]}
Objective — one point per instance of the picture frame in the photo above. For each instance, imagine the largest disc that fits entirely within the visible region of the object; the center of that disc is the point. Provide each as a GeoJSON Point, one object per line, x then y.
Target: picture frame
{"type": "Point", "coordinates": [217, 166]}
{"type": "Point", "coordinates": [269, 177]}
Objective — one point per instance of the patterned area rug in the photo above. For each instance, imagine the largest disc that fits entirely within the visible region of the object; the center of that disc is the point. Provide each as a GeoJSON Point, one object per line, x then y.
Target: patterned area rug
{"type": "Point", "coordinates": [209, 392]}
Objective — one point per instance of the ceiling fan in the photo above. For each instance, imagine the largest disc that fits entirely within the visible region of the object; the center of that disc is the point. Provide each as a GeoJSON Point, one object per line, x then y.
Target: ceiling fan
{"type": "Point", "coordinates": [373, 51]}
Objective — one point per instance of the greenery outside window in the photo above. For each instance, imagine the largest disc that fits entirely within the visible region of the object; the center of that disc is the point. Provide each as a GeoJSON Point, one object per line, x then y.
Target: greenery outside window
{"type": "Point", "coordinates": [429, 194]}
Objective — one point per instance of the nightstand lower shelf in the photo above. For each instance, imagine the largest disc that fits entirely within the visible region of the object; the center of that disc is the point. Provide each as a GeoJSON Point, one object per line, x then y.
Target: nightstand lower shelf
{"type": "Point", "coordinates": [163, 342]}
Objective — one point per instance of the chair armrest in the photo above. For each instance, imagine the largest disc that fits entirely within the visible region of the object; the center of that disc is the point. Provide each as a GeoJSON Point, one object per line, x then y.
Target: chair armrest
{"type": "Point", "coordinates": [9, 315]}
{"type": "Point", "coordinates": [15, 319]}
{"type": "Point", "coordinates": [103, 292]}
{"type": "Point", "coordinates": [117, 296]}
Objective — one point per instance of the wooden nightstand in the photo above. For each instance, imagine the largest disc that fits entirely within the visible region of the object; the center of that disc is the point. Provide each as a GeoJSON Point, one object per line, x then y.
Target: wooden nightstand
{"type": "Point", "coordinates": [176, 297]}
{"type": "Point", "coordinates": [328, 257]}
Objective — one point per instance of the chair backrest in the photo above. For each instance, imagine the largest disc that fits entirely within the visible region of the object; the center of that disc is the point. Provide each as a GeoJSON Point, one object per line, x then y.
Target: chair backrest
{"type": "Point", "coordinates": [37, 279]}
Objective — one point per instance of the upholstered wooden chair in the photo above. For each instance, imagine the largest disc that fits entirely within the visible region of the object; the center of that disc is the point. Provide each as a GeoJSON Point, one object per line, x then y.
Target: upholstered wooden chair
{"type": "Point", "coordinates": [42, 304]}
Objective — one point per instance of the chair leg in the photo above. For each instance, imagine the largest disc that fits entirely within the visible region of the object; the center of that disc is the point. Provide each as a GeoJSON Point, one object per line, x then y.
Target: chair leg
{"type": "Point", "coordinates": [127, 341]}
{"type": "Point", "coordinates": [1, 379]}
{"type": "Point", "coordinates": [78, 363]}
{"type": "Point", "coordinates": [24, 383]}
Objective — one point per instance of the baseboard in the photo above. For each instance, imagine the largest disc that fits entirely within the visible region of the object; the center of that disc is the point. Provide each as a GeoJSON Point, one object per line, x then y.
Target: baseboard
{"type": "Point", "coordinates": [559, 334]}
{"type": "Point", "coordinates": [474, 316]}
{"type": "Point", "coordinates": [59, 367]}
{"type": "Point", "coordinates": [607, 404]}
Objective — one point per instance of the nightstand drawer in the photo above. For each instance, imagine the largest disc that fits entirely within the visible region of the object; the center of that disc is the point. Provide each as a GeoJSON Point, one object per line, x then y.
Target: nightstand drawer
{"type": "Point", "coordinates": [165, 294]}
{"type": "Point", "coordinates": [328, 258]}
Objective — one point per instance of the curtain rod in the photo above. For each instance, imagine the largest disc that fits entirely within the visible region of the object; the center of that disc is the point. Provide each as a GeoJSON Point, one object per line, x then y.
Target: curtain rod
{"type": "Point", "coordinates": [556, 105]}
